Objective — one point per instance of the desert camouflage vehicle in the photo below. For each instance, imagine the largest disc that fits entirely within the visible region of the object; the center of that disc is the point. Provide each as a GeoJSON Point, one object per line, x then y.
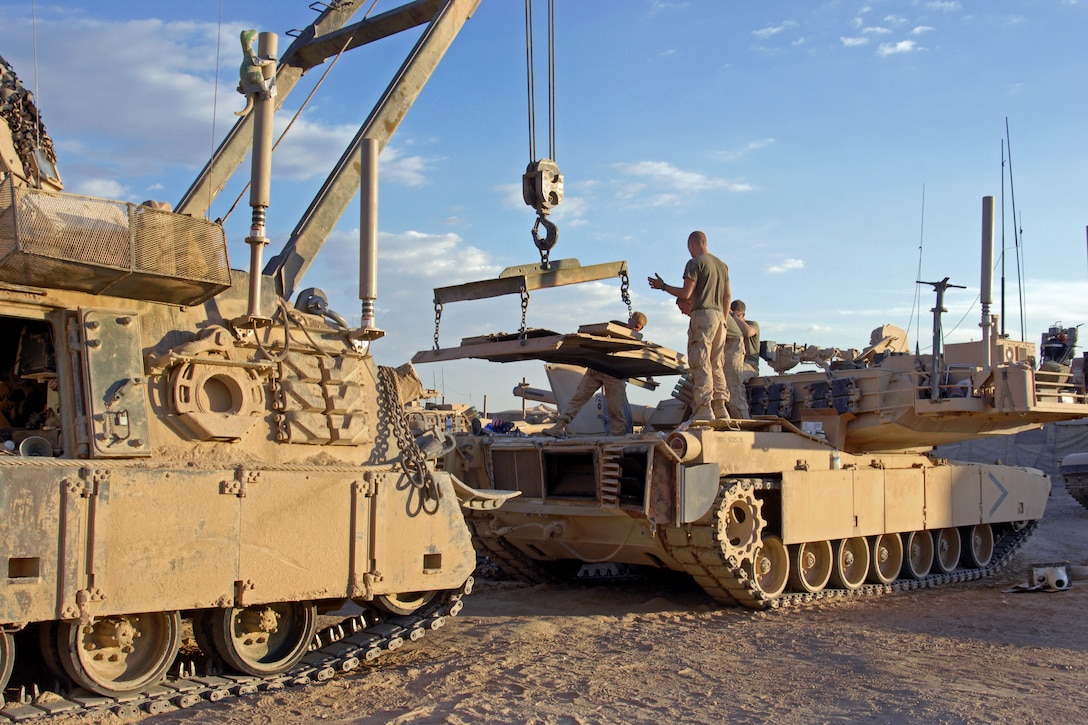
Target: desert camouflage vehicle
{"type": "Point", "coordinates": [1059, 349]}
{"type": "Point", "coordinates": [830, 489]}
{"type": "Point", "coordinates": [180, 443]}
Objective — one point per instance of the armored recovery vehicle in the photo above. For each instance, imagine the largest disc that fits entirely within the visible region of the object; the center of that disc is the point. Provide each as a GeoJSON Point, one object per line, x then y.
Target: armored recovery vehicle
{"type": "Point", "coordinates": [830, 489]}
{"type": "Point", "coordinates": [182, 443]}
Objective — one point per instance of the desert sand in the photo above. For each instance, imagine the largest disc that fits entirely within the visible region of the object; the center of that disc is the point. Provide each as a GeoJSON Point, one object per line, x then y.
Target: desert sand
{"type": "Point", "coordinates": [658, 650]}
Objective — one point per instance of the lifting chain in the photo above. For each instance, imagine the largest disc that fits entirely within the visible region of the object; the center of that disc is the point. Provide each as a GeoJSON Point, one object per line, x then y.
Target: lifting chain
{"type": "Point", "coordinates": [625, 291]}
{"type": "Point", "coordinates": [412, 460]}
{"type": "Point", "coordinates": [437, 322]}
{"type": "Point", "coordinates": [523, 333]}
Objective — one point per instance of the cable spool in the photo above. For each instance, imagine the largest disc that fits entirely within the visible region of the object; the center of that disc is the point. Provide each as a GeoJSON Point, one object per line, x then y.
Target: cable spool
{"type": "Point", "coordinates": [35, 447]}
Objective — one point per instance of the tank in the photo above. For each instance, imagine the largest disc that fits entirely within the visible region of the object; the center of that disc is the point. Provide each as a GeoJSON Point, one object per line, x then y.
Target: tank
{"type": "Point", "coordinates": [830, 489]}
{"type": "Point", "coordinates": [185, 448]}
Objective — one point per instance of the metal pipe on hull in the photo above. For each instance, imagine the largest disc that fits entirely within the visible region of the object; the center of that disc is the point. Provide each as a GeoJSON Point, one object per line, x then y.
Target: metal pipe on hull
{"type": "Point", "coordinates": [368, 229]}
{"type": "Point", "coordinates": [261, 171]}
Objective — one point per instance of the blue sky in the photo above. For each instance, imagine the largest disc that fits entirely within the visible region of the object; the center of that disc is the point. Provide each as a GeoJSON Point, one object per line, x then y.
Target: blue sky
{"type": "Point", "coordinates": [801, 136]}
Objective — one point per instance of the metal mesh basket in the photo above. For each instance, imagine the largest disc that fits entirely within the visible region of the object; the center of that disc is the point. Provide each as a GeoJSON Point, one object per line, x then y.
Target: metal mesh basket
{"type": "Point", "coordinates": [67, 241]}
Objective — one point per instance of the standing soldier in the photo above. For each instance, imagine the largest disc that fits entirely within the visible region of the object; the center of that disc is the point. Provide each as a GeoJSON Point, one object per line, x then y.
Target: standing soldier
{"type": "Point", "coordinates": [750, 330]}
{"type": "Point", "coordinates": [706, 286]}
{"type": "Point", "coordinates": [741, 358]}
{"type": "Point", "coordinates": [615, 393]}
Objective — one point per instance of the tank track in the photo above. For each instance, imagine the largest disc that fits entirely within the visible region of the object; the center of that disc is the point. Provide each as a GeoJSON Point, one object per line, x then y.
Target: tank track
{"type": "Point", "coordinates": [340, 648]}
{"type": "Point", "coordinates": [717, 553]}
{"type": "Point", "coordinates": [1077, 486]}
{"type": "Point", "coordinates": [724, 574]}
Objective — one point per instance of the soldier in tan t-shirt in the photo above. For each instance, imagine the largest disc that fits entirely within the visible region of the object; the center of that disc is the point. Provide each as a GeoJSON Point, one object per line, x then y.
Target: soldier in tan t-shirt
{"type": "Point", "coordinates": [706, 286]}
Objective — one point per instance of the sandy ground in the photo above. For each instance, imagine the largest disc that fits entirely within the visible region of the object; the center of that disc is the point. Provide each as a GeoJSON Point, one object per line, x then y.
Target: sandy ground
{"type": "Point", "coordinates": [659, 651]}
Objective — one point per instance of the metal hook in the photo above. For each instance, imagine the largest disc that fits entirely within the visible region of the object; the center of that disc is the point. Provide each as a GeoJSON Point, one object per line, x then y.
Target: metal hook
{"type": "Point", "coordinates": [548, 241]}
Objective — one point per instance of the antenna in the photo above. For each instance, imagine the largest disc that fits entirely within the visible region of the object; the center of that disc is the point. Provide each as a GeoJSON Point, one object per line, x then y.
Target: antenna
{"type": "Point", "coordinates": [1015, 234]}
{"type": "Point", "coordinates": [1003, 333]}
{"type": "Point", "coordinates": [917, 294]}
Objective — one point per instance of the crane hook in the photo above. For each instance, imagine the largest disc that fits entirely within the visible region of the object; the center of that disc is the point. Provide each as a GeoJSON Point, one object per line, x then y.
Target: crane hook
{"type": "Point", "coordinates": [545, 243]}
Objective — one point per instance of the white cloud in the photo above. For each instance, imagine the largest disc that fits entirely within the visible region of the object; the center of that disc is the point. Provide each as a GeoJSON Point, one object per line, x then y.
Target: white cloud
{"type": "Point", "coordinates": [409, 264]}
{"type": "Point", "coordinates": [173, 91]}
{"type": "Point", "coordinates": [571, 211]}
{"type": "Point", "coordinates": [922, 29]}
{"type": "Point", "coordinates": [661, 6]}
{"type": "Point", "coordinates": [643, 195]}
{"type": "Point", "coordinates": [511, 196]}
{"type": "Point", "coordinates": [117, 129]}
{"type": "Point", "coordinates": [734, 154]}
{"type": "Point", "coordinates": [1050, 300]}
{"type": "Point", "coordinates": [853, 42]}
{"type": "Point", "coordinates": [104, 188]}
{"type": "Point", "coordinates": [903, 46]}
{"type": "Point", "coordinates": [786, 265]}
{"type": "Point", "coordinates": [407, 170]}
{"type": "Point", "coordinates": [876, 30]}
{"type": "Point", "coordinates": [944, 5]}
{"type": "Point", "coordinates": [668, 177]}
{"type": "Point", "coordinates": [432, 255]}
{"type": "Point", "coordinates": [772, 30]}
{"type": "Point", "coordinates": [312, 148]}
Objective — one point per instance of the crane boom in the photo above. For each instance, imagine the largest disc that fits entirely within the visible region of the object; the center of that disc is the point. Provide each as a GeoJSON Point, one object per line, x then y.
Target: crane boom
{"type": "Point", "coordinates": [340, 187]}
{"type": "Point", "coordinates": [326, 37]}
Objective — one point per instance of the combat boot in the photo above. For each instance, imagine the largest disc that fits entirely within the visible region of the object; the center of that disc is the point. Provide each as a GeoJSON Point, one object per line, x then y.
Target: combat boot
{"type": "Point", "coordinates": [703, 413]}
{"type": "Point", "coordinates": [719, 408]}
{"type": "Point", "coordinates": [559, 430]}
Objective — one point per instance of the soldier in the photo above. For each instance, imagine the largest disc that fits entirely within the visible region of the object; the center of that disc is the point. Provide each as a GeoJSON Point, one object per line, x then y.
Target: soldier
{"type": "Point", "coordinates": [750, 330]}
{"type": "Point", "coordinates": [741, 358]}
{"type": "Point", "coordinates": [733, 363]}
{"type": "Point", "coordinates": [706, 286]}
{"type": "Point", "coordinates": [615, 394]}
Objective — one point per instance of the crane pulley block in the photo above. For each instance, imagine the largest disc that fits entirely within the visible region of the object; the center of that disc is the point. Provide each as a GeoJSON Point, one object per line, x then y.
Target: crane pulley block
{"type": "Point", "coordinates": [542, 185]}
